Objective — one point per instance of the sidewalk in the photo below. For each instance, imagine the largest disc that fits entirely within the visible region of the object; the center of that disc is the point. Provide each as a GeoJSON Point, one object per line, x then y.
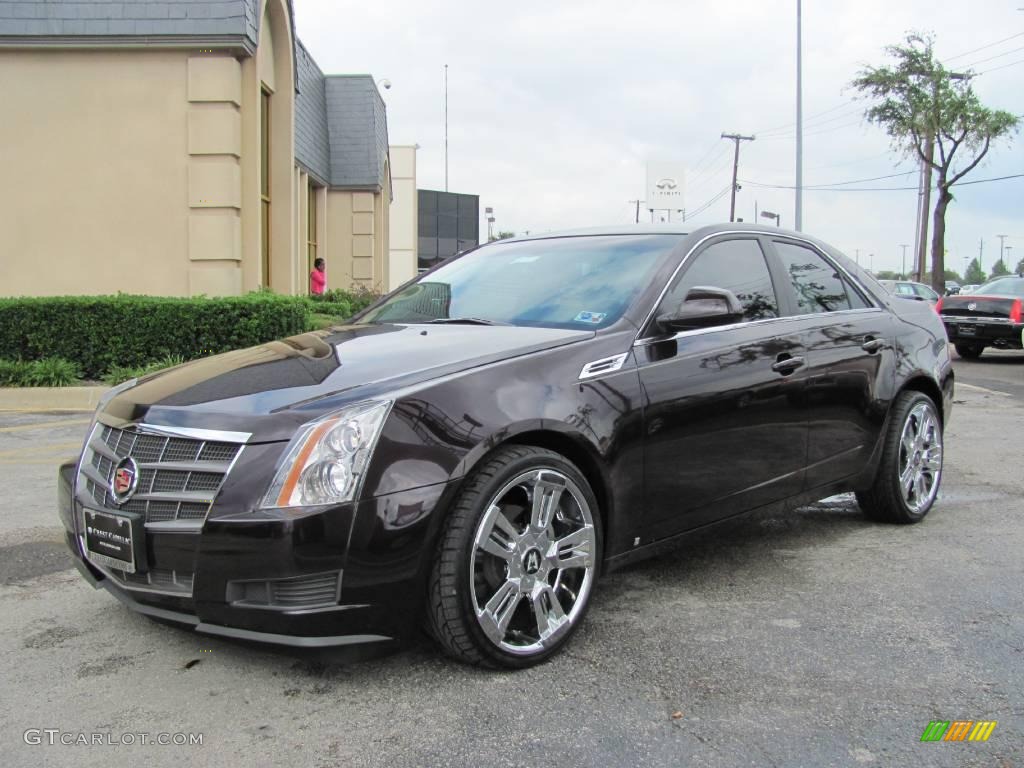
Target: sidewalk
{"type": "Point", "coordinates": [50, 398]}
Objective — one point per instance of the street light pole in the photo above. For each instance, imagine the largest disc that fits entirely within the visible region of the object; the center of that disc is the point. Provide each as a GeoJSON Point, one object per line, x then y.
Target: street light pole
{"type": "Point", "coordinates": [799, 125]}
{"type": "Point", "coordinates": [903, 273]}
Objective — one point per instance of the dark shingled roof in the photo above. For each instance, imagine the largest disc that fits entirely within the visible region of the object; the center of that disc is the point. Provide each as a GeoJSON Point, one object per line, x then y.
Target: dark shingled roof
{"type": "Point", "coordinates": [312, 144]}
{"type": "Point", "coordinates": [358, 129]}
{"type": "Point", "coordinates": [38, 20]}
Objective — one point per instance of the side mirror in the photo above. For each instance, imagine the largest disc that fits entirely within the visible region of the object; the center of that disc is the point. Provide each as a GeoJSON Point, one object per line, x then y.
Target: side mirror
{"type": "Point", "coordinates": [703, 307]}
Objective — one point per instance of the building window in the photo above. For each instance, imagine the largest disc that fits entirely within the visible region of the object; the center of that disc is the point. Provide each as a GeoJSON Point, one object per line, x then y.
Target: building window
{"type": "Point", "coordinates": [265, 185]}
{"type": "Point", "coordinates": [311, 241]}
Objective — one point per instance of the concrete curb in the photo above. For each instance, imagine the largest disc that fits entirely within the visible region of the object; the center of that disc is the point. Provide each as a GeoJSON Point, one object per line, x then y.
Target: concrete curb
{"type": "Point", "coordinates": [50, 398]}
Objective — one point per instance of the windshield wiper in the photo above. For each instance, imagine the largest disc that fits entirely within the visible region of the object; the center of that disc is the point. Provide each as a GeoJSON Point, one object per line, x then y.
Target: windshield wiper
{"type": "Point", "coordinates": [466, 321]}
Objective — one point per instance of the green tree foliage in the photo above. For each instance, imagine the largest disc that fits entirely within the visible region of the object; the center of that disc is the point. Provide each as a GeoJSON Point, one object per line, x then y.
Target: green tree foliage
{"type": "Point", "coordinates": [999, 269]}
{"type": "Point", "coordinates": [974, 275]}
{"type": "Point", "coordinates": [918, 101]}
{"type": "Point", "coordinates": [1020, 268]}
{"type": "Point", "coordinates": [502, 236]}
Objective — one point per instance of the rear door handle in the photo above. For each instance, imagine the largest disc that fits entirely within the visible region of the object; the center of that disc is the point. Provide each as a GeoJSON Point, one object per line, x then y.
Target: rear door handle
{"type": "Point", "coordinates": [787, 365]}
{"type": "Point", "coordinates": [873, 345]}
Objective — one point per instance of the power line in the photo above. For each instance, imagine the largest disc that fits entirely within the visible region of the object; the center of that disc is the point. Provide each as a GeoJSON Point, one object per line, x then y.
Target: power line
{"type": "Point", "coordinates": [878, 189]}
{"type": "Point", "coordinates": [809, 117]}
{"type": "Point", "coordinates": [703, 207]}
{"type": "Point", "coordinates": [1002, 66]}
{"type": "Point", "coordinates": [811, 123]}
{"type": "Point", "coordinates": [860, 181]}
{"type": "Point", "coordinates": [989, 45]}
{"type": "Point", "coordinates": [990, 58]}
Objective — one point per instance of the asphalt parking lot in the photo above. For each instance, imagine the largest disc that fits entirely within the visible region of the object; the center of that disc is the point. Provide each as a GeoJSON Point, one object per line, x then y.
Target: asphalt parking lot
{"type": "Point", "coordinates": [814, 639]}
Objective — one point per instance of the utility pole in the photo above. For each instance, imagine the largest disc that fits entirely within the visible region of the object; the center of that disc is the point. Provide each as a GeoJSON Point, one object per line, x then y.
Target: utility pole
{"type": "Point", "coordinates": [1002, 246]}
{"type": "Point", "coordinates": [799, 127]}
{"type": "Point", "coordinates": [926, 193]}
{"type": "Point", "coordinates": [637, 219]}
{"type": "Point", "coordinates": [445, 127]}
{"type": "Point", "coordinates": [926, 178]}
{"type": "Point", "coordinates": [981, 250]}
{"type": "Point", "coordinates": [856, 256]}
{"type": "Point", "coordinates": [904, 246]}
{"type": "Point", "coordinates": [736, 138]}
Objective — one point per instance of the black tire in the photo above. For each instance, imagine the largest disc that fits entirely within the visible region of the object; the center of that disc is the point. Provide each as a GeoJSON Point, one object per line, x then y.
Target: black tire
{"type": "Point", "coordinates": [969, 351]}
{"type": "Point", "coordinates": [887, 501]}
{"type": "Point", "coordinates": [451, 616]}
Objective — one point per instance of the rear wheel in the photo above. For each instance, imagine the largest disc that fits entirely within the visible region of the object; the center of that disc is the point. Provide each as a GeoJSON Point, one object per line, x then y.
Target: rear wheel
{"type": "Point", "coordinates": [969, 351]}
{"type": "Point", "coordinates": [517, 560]}
{"type": "Point", "coordinates": [910, 470]}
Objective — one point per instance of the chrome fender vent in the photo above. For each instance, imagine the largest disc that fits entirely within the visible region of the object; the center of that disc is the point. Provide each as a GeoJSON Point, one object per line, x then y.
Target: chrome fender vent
{"type": "Point", "coordinates": [604, 365]}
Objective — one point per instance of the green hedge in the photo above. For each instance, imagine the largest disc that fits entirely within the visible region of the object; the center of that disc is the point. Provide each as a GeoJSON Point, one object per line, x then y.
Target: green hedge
{"type": "Point", "coordinates": [98, 333]}
{"type": "Point", "coordinates": [342, 303]}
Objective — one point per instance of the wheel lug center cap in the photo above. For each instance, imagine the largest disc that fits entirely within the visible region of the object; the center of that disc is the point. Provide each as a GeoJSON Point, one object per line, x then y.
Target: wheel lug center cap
{"type": "Point", "coordinates": [532, 561]}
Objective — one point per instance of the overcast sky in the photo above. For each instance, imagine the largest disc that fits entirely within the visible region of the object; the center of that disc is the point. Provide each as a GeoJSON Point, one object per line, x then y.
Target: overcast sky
{"type": "Point", "coordinates": [555, 108]}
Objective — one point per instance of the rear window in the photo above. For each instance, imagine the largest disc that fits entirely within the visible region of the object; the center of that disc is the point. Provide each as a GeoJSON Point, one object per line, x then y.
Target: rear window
{"type": "Point", "coordinates": [1003, 286]}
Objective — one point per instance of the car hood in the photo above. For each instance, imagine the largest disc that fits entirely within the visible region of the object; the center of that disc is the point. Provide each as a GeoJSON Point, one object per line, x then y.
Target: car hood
{"type": "Point", "coordinates": [268, 390]}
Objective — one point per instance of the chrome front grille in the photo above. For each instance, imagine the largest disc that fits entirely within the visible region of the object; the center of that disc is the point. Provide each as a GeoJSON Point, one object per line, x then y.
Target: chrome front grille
{"type": "Point", "coordinates": [179, 477]}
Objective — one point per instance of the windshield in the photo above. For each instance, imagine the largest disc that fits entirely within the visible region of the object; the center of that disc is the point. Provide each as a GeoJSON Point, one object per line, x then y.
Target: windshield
{"type": "Point", "coordinates": [567, 282]}
{"type": "Point", "coordinates": [1004, 286]}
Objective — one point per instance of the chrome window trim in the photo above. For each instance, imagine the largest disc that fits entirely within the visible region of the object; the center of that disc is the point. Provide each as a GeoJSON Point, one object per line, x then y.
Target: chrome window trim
{"type": "Point", "coordinates": [748, 323]}
{"type": "Point", "coordinates": [868, 296]}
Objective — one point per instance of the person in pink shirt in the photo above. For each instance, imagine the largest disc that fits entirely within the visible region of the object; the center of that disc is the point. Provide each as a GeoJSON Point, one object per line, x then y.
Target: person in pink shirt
{"type": "Point", "coordinates": [317, 278]}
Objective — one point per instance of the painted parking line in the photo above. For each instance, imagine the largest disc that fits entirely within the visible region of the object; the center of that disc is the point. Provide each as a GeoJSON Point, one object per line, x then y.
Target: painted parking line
{"type": "Point", "coordinates": [45, 425]}
{"type": "Point", "coordinates": [26, 462]}
{"type": "Point", "coordinates": [17, 452]}
{"type": "Point", "coordinates": [986, 390]}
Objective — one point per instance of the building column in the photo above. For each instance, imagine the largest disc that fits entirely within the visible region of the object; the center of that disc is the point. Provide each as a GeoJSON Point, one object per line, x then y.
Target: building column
{"type": "Point", "coordinates": [214, 175]}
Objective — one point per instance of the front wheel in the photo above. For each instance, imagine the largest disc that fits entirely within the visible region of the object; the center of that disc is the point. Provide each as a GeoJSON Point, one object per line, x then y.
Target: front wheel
{"type": "Point", "coordinates": [910, 470]}
{"type": "Point", "coordinates": [517, 560]}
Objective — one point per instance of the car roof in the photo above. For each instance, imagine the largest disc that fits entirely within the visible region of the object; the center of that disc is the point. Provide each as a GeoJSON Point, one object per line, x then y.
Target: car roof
{"type": "Point", "coordinates": [673, 228]}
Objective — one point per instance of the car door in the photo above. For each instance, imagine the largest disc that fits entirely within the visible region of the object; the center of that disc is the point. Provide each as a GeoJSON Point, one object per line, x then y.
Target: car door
{"type": "Point", "coordinates": [724, 429]}
{"type": "Point", "coordinates": [848, 345]}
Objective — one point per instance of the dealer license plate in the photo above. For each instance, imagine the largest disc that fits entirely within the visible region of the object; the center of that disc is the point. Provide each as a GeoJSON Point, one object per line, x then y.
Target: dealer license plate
{"type": "Point", "coordinates": [108, 540]}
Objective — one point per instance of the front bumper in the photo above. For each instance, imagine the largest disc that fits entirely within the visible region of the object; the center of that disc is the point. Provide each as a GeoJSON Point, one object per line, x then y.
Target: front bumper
{"type": "Point", "coordinates": [261, 576]}
{"type": "Point", "coordinates": [996, 332]}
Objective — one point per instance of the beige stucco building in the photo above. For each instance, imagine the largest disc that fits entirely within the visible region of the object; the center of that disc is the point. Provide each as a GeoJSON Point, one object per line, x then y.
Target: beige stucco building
{"type": "Point", "coordinates": [183, 147]}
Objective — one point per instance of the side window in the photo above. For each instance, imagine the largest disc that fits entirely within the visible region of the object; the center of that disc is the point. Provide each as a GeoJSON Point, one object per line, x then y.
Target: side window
{"type": "Point", "coordinates": [736, 265]}
{"type": "Point", "coordinates": [903, 289]}
{"type": "Point", "coordinates": [926, 293]}
{"type": "Point", "coordinates": [816, 283]}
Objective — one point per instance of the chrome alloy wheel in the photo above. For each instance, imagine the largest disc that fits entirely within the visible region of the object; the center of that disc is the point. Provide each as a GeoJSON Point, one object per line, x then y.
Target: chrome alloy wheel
{"type": "Point", "coordinates": [533, 561]}
{"type": "Point", "coordinates": [920, 462]}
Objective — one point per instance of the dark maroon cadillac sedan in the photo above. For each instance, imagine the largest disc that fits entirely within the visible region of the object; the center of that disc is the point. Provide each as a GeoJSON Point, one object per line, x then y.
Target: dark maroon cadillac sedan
{"type": "Point", "coordinates": [472, 452]}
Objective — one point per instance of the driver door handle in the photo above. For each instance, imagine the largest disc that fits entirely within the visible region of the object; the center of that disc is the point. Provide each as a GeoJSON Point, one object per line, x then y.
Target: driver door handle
{"type": "Point", "coordinates": [787, 365]}
{"type": "Point", "coordinates": [873, 345]}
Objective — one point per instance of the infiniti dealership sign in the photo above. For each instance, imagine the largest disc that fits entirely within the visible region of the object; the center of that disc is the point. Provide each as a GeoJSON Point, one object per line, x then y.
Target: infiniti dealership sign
{"type": "Point", "coordinates": [664, 186]}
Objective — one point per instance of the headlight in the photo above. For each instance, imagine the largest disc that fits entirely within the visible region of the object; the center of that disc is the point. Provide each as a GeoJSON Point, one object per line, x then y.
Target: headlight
{"type": "Point", "coordinates": [325, 461]}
